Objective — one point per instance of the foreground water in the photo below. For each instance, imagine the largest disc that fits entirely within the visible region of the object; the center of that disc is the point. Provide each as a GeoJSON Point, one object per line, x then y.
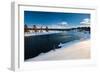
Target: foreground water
{"type": "Point", "coordinates": [34, 45]}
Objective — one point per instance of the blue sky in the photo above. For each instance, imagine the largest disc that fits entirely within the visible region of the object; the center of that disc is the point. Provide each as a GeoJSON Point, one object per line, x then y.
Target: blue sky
{"type": "Point", "coordinates": [49, 18]}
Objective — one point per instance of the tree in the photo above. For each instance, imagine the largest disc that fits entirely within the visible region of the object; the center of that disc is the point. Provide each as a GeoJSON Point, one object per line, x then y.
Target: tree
{"type": "Point", "coordinates": [41, 29]}
{"type": "Point", "coordinates": [35, 28]}
{"type": "Point", "coordinates": [46, 29]}
{"type": "Point", "coordinates": [25, 28]}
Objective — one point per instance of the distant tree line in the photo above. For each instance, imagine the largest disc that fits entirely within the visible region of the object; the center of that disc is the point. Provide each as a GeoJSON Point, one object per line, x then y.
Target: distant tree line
{"type": "Point", "coordinates": [35, 29]}
{"type": "Point", "coordinates": [80, 29]}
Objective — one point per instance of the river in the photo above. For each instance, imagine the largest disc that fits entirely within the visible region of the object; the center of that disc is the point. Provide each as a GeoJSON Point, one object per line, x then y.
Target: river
{"type": "Point", "coordinates": [36, 44]}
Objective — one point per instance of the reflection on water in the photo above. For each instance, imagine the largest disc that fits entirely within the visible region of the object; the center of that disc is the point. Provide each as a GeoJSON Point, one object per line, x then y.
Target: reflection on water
{"type": "Point", "coordinates": [34, 45]}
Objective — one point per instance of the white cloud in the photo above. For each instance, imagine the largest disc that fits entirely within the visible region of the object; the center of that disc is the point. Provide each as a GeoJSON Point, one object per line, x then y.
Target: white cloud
{"type": "Point", "coordinates": [63, 23]}
{"type": "Point", "coordinates": [85, 21]}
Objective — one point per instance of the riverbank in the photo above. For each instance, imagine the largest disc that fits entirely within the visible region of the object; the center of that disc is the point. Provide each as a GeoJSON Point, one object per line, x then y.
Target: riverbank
{"type": "Point", "coordinates": [80, 50]}
{"type": "Point", "coordinates": [40, 33]}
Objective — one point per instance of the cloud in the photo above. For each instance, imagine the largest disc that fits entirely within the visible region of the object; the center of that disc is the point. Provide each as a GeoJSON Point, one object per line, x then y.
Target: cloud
{"type": "Point", "coordinates": [63, 23]}
{"type": "Point", "coordinates": [85, 21]}
{"type": "Point", "coordinates": [58, 25]}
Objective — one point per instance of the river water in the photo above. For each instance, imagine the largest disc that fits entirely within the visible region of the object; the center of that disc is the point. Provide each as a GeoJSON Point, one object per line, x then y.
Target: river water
{"type": "Point", "coordinates": [36, 44]}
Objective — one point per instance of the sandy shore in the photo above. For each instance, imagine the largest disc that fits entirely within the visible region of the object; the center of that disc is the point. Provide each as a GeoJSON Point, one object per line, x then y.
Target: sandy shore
{"type": "Point", "coordinates": [80, 50]}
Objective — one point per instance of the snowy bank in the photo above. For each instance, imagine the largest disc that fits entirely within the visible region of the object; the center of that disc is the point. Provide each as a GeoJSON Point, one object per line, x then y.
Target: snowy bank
{"type": "Point", "coordinates": [40, 33]}
{"type": "Point", "coordinates": [80, 50]}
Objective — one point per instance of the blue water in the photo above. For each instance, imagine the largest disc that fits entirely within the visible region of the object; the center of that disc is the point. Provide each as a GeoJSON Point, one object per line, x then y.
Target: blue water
{"type": "Point", "coordinates": [34, 45]}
